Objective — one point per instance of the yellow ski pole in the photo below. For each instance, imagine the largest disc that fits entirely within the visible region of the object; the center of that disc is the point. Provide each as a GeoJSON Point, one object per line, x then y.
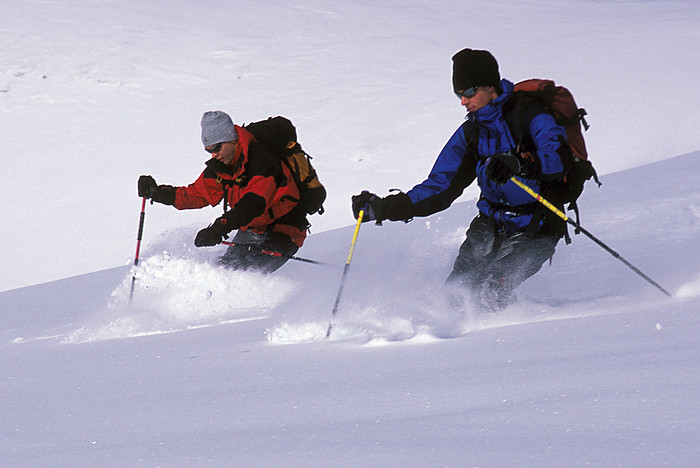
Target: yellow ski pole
{"type": "Point", "coordinates": [345, 271]}
{"type": "Point", "coordinates": [563, 216]}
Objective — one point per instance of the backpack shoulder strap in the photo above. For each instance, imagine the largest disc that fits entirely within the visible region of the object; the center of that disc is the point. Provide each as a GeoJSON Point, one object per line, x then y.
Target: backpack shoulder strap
{"type": "Point", "coordinates": [471, 136]}
{"type": "Point", "coordinates": [518, 118]}
{"type": "Point", "coordinates": [525, 108]}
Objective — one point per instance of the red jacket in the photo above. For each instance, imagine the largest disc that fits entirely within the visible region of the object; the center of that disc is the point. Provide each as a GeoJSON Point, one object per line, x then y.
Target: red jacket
{"type": "Point", "coordinates": [259, 189]}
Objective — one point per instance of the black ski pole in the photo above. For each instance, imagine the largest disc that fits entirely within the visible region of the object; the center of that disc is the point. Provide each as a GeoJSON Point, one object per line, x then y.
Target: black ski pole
{"type": "Point", "coordinates": [563, 216]}
{"type": "Point", "coordinates": [345, 271]}
{"type": "Point", "coordinates": [138, 246]}
{"type": "Point", "coordinates": [276, 254]}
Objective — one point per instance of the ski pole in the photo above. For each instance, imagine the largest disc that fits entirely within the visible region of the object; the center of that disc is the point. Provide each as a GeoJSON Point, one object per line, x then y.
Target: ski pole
{"type": "Point", "coordinates": [276, 254]}
{"type": "Point", "coordinates": [345, 271]}
{"type": "Point", "coordinates": [138, 245]}
{"type": "Point", "coordinates": [563, 216]}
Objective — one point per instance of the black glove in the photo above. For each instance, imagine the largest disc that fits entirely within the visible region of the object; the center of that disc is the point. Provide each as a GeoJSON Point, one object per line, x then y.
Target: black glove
{"type": "Point", "coordinates": [501, 167]}
{"type": "Point", "coordinates": [147, 186]}
{"type": "Point", "coordinates": [212, 235]}
{"type": "Point", "coordinates": [208, 237]}
{"type": "Point", "coordinates": [372, 205]}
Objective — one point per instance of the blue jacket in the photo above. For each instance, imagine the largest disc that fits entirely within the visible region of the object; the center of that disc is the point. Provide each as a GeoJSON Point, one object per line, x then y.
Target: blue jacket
{"type": "Point", "coordinates": [460, 162]}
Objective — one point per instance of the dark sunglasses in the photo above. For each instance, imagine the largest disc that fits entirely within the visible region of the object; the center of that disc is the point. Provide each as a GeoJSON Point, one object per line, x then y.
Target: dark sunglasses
{"type": "Point", "coordinates": [214, 149]}
{"type": "Point", "coordinates": [468, 93]}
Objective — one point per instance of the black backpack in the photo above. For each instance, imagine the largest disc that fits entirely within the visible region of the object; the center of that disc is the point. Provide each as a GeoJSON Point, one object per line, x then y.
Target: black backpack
{"type": "Point", "coordinates": [279, 135]}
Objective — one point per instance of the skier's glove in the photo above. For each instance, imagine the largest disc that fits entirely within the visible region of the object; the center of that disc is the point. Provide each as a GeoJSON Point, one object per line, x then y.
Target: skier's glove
{"type": "Point", "coordinates": [213, 234]}
{"type": "Point", "coordinates": [372, 205]}
{"type": "Point", "coordinates": [501, 167]}
{"type": "Point", "coordinates": [147, 186]}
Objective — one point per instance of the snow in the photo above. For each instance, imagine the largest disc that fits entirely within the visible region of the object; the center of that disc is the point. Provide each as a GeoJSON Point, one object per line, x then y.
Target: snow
{"type": "Point", "coordinates": [93, 94]}
{"type": "Point", "coordinates": [592, 366]}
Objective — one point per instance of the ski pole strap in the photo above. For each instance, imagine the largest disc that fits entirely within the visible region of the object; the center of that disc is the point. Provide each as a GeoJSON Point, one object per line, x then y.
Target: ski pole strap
{"type": "Point", "coordinates": [563, 216]}
{"type": "Point", "coordinates": [276, 254]}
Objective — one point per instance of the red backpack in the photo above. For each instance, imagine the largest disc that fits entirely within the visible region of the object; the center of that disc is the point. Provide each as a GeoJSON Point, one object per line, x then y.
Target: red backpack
{"type": "Point", "coordinates": [561, 105]}
{"type": "Point", "coordinates": [559, 102]}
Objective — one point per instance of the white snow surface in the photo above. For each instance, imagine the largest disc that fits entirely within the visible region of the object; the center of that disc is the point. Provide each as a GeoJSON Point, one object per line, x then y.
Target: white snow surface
{"type": "Point", "coordinates": [95, 93]}
{"type": "Point", "coordinates": [592, 366]}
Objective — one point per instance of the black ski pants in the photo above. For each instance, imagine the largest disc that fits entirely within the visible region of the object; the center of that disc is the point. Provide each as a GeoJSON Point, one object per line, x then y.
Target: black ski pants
{"type": "Point", "coordinates": [493, 265]}
{"type": "Point", "coordinates": [253, 251]}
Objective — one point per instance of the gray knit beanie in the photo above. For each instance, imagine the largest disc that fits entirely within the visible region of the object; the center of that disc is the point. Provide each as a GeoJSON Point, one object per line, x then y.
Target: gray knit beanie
{"type": "Point", "coordinates": [217, 127]}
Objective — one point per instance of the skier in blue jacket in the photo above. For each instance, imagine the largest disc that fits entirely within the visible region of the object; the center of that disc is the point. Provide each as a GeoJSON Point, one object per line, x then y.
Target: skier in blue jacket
{"type": "Point", "coordinates": [510, 239]}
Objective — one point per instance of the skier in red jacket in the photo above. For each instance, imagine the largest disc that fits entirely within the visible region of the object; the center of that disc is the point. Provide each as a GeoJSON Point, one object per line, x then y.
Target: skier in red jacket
{"type": "Point", "coordinates": [253, 182]}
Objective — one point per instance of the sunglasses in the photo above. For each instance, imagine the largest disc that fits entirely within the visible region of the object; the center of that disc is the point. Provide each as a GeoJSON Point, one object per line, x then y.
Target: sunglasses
{"type": "Point", "coordinates": [214, 149]}
{"type": "Point", "coordinates": [468, 93]}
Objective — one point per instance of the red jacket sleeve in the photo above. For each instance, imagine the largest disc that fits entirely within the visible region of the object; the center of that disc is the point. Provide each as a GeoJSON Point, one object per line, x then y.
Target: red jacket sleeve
{"type": "Point", "coordinates": [202, 192]}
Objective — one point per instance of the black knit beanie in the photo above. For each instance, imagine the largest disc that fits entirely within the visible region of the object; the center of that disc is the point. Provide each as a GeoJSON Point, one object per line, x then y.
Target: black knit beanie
{"type": "Point", "coordinates": [474, 68]}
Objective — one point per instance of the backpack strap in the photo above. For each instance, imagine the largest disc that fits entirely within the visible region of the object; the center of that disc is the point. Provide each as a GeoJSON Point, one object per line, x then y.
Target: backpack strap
{"type": "Point", "coordinates": [518, 117]}
{"type": "Point", "coordinates": [519, 128]}
{"type": "Point", "coordinates": [226, 184]}
{"type": "Point", "coordinates": [471, 136]}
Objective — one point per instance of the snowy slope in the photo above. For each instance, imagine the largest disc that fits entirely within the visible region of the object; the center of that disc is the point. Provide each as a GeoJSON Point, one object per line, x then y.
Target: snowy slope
{"type": "Point", "coordinates": [216, 368]}
{"type": "Point", "coordinates": [592, 367]}
{"type": "Point", "coordinates": [93, 94]}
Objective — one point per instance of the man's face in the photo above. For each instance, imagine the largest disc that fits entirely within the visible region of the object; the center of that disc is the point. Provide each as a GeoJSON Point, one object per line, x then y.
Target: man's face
{"type": "Point", "coordinates": [224, 152]}
{"type": "Point", "coordinates": [483, 97]}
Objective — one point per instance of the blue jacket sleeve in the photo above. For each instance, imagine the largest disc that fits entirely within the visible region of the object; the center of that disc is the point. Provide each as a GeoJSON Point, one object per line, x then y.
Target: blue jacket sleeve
{"type": "Point", "coordinates": [452, 172]}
